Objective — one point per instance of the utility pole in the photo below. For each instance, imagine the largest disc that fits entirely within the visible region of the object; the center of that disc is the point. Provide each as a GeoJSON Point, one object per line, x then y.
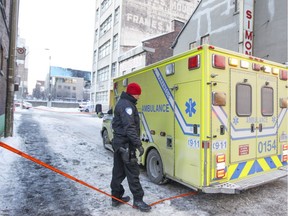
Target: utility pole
{"type": "Point", "coordinates": [14, 11]}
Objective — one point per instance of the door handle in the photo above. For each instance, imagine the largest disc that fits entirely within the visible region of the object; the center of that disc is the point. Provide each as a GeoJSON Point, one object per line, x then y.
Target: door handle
{"type": "Point", "coordinates": [260, 127]}
{"type": "Point", "coordinates": [252, 128]}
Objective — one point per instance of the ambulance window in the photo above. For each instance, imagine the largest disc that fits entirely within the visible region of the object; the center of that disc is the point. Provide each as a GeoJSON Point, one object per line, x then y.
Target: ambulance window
{"type": "Point", "coordinates": [243, 99]}
{"type": "Point", "coordinates": [267, 101]}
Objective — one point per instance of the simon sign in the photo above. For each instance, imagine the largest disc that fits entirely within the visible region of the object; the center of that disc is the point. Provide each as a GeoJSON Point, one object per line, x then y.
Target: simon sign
{"type": "Point", "coordinates": [248, 26]}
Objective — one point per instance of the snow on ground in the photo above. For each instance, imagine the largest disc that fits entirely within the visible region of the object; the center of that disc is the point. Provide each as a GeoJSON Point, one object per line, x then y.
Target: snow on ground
{"type": "Point", "coordinates": [75, 142]}
{"type": "Point", "coordinates": [85, 162]}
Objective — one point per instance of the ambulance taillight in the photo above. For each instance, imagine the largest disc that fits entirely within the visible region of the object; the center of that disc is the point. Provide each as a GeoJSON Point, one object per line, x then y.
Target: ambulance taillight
{"type": "Point", "coordinates": [115, 86]}
{"type": "Point", "coordinates": [284, 152]}
{"type": "Point", "coordinates": [194, 62]}
{"type": "Point", "coordinates": [218, 61]}
{"type": "Point", "coordinates": [283, 74]}
{"type": "Point", "coordinates": [220, 165]}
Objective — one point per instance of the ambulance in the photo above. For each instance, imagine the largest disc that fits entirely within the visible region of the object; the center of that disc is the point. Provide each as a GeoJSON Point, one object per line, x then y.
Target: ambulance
{"type": "Point", "coordinates": [211, 119]}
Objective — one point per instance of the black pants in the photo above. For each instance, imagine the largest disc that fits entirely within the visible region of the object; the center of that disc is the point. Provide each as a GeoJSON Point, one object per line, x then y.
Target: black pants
{"type": "Point", "coordinates": [126, 167]}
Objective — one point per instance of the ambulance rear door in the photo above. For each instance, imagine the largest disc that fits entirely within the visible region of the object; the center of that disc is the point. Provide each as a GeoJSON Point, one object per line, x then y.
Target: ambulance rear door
{"type": "Point", "coordinates": [253, 116]}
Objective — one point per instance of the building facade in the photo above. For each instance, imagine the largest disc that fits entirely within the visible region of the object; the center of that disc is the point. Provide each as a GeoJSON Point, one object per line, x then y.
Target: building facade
{"type": "Point", "coordinates": [258, 28]}
{"type": "Point", "coordinates": [9, 10]}
{"type": "Point", "coordinates": [150, 51]}
{"type": "Point", "coordinates": [68, 84]}
{"type": "Point", "coordinates": [121, 25]}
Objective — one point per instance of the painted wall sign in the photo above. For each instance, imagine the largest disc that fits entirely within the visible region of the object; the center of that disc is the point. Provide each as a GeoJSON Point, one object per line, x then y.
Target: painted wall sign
{"type": "Point", "coordinates": [248, 26]}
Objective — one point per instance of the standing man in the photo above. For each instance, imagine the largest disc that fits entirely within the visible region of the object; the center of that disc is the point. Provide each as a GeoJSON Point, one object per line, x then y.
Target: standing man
{"type": "Point", "coordinates": [126, 139]}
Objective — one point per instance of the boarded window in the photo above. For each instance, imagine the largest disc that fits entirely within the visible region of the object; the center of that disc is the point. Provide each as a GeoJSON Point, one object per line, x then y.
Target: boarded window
{"type": "Point", "coordinates": [243, 99]}
{"type": "Point", "coordinates": [267, 101]}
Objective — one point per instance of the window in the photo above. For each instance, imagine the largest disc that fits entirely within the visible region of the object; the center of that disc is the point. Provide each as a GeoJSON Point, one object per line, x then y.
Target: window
{"type": "Point", "coordinates": [113, 70]}
{"type": "Point", "coordinates": [105, 26]}
{"type": "Point", "coordinates": [102, 96]}
{"type": "Point", "coordinates": [115, 42]}
{"type": "Point", "coordinates": [74, 88]}
{"type": "Point", "coordinates": [267, 101]}
{"type": "Point", "coordinates": [104, 50]}
{"type": "Point", "coordinates": [243, 99]}
{"type": "Point", "coordinates": [116, 15]}
{"type": "Point", "coordinates": [94, 76]}
{"type": "Point", "coordinates": [97, 14]}
{"type": "Point", "coordinates": [102, 74]}
{"type": "Point", "coordinates": [96, 35]}
{"type": "Point", "coordinates": [95, 57]}
{"type": "Point", "coordinates": [237, 6]}
{"type": "Point", "coordinates": [105, 4]}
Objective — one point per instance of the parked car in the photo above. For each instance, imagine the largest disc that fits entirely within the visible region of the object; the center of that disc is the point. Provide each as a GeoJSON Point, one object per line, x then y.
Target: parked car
{"type": "Point", "coordinates": [24, 104]}
{"type": "Point", "coordinates": [86, 108]}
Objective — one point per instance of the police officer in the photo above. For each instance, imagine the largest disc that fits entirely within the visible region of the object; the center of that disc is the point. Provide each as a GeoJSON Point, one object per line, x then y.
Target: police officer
{"type": "Point", "coordinates": [126, 139]}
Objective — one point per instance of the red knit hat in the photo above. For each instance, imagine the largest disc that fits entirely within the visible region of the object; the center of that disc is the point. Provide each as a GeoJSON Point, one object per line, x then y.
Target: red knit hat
{"type": "Point", "coordinates": [133, 89]}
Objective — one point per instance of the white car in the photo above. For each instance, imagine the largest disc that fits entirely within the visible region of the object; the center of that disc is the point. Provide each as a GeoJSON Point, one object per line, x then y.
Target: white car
{"type": "Point", "coordinates": [26, 105]}
{"type": "Point", "coordinates": [86, 108]}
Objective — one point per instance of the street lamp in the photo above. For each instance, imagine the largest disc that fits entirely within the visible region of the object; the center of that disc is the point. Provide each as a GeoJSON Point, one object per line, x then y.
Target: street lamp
{"type": "Point", "coordinates": [50, 81]}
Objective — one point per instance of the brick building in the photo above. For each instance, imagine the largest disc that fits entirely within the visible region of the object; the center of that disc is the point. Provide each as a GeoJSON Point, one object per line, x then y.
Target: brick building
{"type": "Point", "coordinates": [150, 51]}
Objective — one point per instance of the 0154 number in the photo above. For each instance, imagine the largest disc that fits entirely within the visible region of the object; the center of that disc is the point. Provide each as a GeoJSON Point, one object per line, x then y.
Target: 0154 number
{"type": "Point", "coordinates": [266, 146]}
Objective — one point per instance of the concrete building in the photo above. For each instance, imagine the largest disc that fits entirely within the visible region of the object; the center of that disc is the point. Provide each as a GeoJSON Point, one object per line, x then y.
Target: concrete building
{"type": "Point", "coordinates": [21, 72]}
{"type": "Point", "coordinates": [258, 28]}
{"type": "Point", "coordinates": [39, 90]}
{"type": "Point", "coordinates": [121, 25]}
{"type": "Point", "coordinates": [21, 79]}
{"type": "Point", "coordinates": [68, 84]}
{"type": "Point", "coordinates": [150, 51]}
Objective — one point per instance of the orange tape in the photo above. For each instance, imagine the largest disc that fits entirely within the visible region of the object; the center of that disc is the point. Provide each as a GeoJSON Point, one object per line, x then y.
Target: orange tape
{"type": "Point", "coordinates": [22, 154]}
{"type": "Point", "coordinates": [174, 197]}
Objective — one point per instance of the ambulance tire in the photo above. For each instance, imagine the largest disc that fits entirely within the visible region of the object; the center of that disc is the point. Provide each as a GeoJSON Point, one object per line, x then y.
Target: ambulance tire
{"type": "Point", "coordinates": [106, 140]}
{"type": "Point", "coordinates": [154, 167]}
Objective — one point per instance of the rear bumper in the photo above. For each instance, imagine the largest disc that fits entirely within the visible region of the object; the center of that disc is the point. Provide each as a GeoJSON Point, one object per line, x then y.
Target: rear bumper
{"type": "Point", "coordinates": [236, 188]}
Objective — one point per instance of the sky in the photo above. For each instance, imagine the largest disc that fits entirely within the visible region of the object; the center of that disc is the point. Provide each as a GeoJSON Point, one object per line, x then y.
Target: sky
{"type": "Point", "coordinates": [60, 29]}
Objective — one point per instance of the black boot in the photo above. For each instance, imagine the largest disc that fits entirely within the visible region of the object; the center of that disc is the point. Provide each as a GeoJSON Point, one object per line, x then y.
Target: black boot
{"type": "Point", "coordinates": [116, 203]}
{"type": "Point", "coordinates": [141, 205]}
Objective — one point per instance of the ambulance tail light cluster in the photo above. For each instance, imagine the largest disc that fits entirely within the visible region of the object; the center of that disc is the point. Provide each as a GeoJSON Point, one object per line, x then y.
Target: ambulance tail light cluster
{"type": "Point", "coordinates": [194, 62]}
{"type": "Point", "coordinates": [218, 61]}
{"type": "Point", "coordinates": [284, 152]}
{"type": "Point", "coordinates": [283, 74]}
{"type": "Point", "coordinates": [220, 165]}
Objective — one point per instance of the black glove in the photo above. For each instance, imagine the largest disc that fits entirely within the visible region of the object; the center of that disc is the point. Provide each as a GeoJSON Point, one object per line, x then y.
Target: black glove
{"type": "Point", "coordinates": [141, 150]}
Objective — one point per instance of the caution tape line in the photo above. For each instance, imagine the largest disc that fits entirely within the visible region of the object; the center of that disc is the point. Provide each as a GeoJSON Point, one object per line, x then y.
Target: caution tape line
{"type": "Point", "coordinates": [22, 154]}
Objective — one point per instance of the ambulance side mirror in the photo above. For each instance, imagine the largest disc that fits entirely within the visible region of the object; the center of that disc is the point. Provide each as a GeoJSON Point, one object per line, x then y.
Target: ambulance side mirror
{"type": "Point", "coordinates": [110, 111]}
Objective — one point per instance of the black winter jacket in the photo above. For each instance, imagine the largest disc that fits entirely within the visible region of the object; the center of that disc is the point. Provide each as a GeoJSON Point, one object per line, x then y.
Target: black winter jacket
{"type": "Point", "coordinates": [126, 123]}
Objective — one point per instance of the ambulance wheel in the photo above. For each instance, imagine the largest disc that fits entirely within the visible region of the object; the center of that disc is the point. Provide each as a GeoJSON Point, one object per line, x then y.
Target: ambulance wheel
{"type": "Point", "coordinates": [155, 167]}
{"type": "Point", "coordinates": [106, 140]}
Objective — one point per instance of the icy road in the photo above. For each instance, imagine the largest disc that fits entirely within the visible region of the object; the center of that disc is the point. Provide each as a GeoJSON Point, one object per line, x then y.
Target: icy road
{"type": "Point", "coordinates": [71, 142]}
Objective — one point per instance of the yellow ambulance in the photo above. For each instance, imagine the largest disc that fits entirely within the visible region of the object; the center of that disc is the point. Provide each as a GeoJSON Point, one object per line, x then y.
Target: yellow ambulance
{"type": "Point", "coordinates": [211, 119]}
